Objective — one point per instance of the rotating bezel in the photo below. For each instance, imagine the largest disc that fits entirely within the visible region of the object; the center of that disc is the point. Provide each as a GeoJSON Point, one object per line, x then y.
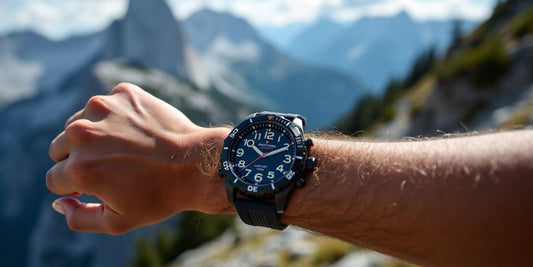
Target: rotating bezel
{"type": "Point", "coordinates": [262, 191]}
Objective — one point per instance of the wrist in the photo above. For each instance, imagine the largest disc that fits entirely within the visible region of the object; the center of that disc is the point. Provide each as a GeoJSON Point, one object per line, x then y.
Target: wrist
{"type": "Point", "coordinates": [209, 193]}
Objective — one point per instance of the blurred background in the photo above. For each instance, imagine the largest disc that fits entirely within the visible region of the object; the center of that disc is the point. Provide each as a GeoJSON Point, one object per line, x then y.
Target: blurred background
{"type": "Point", "coordinates": [387, 69]}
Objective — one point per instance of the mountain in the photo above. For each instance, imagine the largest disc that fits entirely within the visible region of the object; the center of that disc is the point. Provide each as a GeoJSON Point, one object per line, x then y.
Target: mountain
{"type": "Point", "coordinates": [374, 49]}
{"type": "Point", "coordinates": [146, 47]}
{"type": "Point", "coordinates": [281, 36]}
{"type": "Point", "coordinates": [236, 55]}
{"type": "Point", "coordinates": [483, 83]}
{"type": "Point", "coordinates": [314, 39]}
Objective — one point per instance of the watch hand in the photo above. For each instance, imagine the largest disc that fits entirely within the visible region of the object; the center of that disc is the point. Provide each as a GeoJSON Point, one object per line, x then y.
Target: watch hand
{"type": "Point", "coordinates": [263, 155]}
{"type": "Point", "coordinates": [277, 151]}
{"type": "Point", "coordinates": [257, 150]}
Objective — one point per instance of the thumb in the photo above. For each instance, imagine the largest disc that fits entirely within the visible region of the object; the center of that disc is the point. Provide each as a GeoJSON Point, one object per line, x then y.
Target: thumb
{"type": "Point", "coordinates": [89, 217]}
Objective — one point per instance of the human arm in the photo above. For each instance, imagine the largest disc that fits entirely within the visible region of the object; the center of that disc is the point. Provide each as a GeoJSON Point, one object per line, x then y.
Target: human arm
{"type": "Point", "coordinates": [454, 202]}
{"type": "Point", "coordinates": [420, 201]}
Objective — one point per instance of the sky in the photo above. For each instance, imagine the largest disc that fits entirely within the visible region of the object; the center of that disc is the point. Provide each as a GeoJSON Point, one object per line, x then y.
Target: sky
{"type": "Point", "coordinates": [60, 18]}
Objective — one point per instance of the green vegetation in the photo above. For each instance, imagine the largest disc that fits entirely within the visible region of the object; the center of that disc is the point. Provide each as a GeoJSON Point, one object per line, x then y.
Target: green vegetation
{"type": "Point", "coordinates": [482, 65]}
{"type": "Point", "coordinates": [373, 109]}
{"type": "Point", "coordinates": [192, 230]}
{"type": "Point", "coordinates": [523, 25]}
{"type": "Point", "coordinates": [480, 60]}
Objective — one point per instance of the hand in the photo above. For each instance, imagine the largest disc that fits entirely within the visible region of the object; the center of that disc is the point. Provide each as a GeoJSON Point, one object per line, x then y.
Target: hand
{"type": "Point", "coordinates": [139, 156]}
{"type": "Point", "coordinates": [255, 160]}
{"type": "Point", "coordinates": [277, 151]}
{"type": "Point", "coordinates": [257, 150]}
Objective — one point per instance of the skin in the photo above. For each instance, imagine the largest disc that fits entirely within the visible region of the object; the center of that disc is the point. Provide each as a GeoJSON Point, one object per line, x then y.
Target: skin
{"type": "Point", "coordinates": [453, 202]}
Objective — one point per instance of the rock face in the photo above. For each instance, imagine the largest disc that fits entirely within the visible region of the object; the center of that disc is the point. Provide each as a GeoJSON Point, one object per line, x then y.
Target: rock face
{"type": "Point", "coordinates": [237, 57]}
{"type": "Point", "coordinates": [56, 79]}
{"type": "Point", "coordinates": [148, 29]}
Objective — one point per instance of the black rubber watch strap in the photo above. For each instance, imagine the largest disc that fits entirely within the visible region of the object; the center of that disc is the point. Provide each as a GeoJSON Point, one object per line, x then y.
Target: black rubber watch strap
{"type": "Point", "coordinates": [258, 213]}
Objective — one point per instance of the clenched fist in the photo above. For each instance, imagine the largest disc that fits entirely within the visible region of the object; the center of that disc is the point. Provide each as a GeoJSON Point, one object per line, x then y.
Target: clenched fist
{"type": "Point", "coordinates": [140, 156]}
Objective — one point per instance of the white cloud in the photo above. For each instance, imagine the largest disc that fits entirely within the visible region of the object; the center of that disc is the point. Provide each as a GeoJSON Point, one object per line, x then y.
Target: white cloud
{"type": "Point", "coordinates": [279, 12]}
{"type": "Point", "coordinates": [58, 18]}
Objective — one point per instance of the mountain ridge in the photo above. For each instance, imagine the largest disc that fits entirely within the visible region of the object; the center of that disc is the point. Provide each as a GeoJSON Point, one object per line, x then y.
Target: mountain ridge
{"type": "Point", "coordinates": [256, 66]}
{"type": "Point", "coordinates": [368, 47]}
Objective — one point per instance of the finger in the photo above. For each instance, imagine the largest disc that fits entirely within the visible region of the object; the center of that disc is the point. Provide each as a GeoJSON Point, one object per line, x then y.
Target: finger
{"type": "Point", "coordinates": [59, 149]}
{"type": "Point", "coordinates": [89, 217]}
{"type": "Point", "coordinates": [78, 115]}
{"type": "Point", "coordinates": [57, 182]}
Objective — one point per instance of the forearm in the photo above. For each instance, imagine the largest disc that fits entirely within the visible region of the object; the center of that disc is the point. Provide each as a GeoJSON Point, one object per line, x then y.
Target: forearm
{"type": "Point", "coordinates": [431, 202]}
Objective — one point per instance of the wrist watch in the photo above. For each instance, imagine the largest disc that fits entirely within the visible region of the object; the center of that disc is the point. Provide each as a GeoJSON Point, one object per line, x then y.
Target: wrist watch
{"type": "Point", "coordinates": [262, 160]}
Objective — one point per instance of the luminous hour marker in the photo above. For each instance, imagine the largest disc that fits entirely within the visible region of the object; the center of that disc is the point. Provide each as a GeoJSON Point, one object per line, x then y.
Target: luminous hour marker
{"type": "Point", "coordinates": [237, 179]}
{"type": "Point", "coordinates": [273, 187]}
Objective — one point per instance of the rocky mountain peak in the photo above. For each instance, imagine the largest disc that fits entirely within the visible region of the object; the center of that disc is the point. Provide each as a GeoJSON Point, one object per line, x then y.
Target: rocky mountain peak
{"type": "Point", "coordinates": [149, 12]}
{"type": "Point", "coordinates": [150, 36]}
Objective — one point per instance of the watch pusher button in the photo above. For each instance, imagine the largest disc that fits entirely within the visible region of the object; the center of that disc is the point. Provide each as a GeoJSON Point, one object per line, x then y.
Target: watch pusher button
{"type": "Point", "coordinates": [221, 172]}
{"type": "Point", "coordinates": [308, 143]}
{"type": "Point", "coordinates": [300, 183]}
{"type": "Point", "coordinates": [310, 164]}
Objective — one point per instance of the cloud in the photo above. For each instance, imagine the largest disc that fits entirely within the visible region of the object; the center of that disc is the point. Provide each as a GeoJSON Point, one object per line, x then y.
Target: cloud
{"type": "Point", "coordinates": [59, 18]}
{"type": "Point", "coordinates": [56, 18]}
{"type": "Point", "coordinates": [279, 12]}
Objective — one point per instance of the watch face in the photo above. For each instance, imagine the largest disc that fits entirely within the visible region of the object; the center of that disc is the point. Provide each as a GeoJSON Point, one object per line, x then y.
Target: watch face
{"type": "Point", "coordinates": [261, 156]}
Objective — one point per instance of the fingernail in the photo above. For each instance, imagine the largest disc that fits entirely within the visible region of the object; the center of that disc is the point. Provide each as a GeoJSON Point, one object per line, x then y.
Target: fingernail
{"type": "Point", "coordinates": [57, 207]}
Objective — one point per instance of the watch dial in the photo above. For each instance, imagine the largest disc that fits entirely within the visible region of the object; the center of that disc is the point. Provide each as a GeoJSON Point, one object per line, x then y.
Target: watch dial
{"type": "Point", "coordinates": [262, 154]}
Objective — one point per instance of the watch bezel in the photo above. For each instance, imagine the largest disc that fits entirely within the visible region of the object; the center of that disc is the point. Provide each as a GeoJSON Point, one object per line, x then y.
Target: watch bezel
{"type": "Point", "coordinates": [264, 191]}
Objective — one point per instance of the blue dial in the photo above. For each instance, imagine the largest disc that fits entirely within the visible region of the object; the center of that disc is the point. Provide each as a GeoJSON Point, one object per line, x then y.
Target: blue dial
{"type": "Point", "coordinates": [262, 154]}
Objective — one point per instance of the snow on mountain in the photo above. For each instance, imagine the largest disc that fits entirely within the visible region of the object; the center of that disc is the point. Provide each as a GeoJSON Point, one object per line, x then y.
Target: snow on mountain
{"type": "Point", "coordinates": [235, 55]}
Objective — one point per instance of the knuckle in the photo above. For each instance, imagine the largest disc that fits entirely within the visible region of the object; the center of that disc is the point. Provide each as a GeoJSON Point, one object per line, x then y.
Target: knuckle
{"type": "Point", "coordinates": [51, 150]}
{"type": "Point", "coordinates": [124, 87]}
{"type": "Point", "coordinates": [72, 118]}
{"type": "Point", "coordinates": [79, 173]}
{"type": "Point", "coordinates": [98, 103]}
{"type": "Point", "coordinates": [80, 130]}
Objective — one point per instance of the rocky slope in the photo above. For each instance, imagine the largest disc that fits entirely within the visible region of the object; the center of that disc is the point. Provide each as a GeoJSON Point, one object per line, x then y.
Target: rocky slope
{"type": "Point", "coordinates": [252, 246]}
{"type": "Point", "coordinates": [484, 83]}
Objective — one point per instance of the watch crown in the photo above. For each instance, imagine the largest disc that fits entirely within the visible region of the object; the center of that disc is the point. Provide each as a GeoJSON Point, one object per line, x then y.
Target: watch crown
{"type": "Point", "coordinates": [221, 172]}
{"type": "Point", "coordinates": [310, 164]}
{"type": "Point", "coordinates": [300, 183]}
{"type": "Point", "coordinates": [308, 143]}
